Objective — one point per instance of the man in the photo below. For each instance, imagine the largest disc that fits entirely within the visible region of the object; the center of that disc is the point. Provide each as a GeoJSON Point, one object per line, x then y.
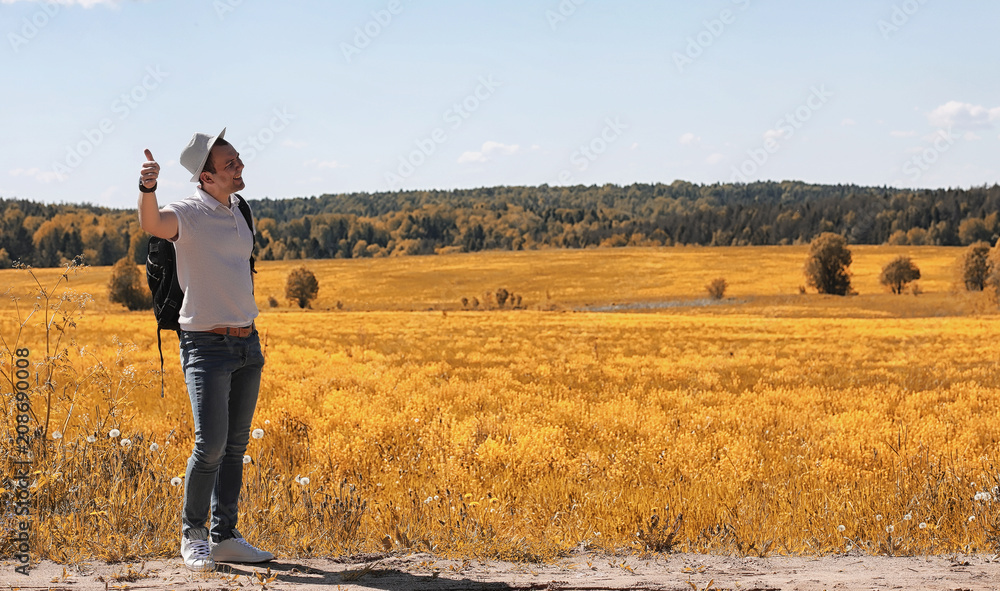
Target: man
{"type": "Point", "coordinates": [219, 346]}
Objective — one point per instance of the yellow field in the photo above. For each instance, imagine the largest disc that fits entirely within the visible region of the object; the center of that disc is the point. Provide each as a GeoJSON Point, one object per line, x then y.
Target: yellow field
{"type": "Point", "coordinates": [772, 422]}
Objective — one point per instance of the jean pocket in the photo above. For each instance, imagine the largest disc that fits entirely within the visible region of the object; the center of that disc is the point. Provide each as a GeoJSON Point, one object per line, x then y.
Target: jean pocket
{"type": "Point", "coordinates": [202, 338]}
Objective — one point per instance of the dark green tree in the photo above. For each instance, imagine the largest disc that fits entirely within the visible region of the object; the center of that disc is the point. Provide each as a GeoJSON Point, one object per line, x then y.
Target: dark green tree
{"type": "Point", "coordinates": [975, 266]}
{"type": "Point", "coordinates": [828, 266]}
{"type": "Point", "coordinates": [898, 273]}
{"type": "Point", "coordinates": [301, 286]}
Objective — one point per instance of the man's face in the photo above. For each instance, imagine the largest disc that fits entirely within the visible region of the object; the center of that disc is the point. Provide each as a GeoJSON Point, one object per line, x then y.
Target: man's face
{"type": "Point", "coordinates": [228, 177]}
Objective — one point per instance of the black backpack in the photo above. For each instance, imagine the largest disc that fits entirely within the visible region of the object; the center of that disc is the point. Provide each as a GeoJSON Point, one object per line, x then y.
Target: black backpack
{"type": "Point", "coordinates": [161, 275]}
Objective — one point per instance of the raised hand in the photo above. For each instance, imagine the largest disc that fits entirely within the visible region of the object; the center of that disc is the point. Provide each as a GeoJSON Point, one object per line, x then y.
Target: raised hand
{"type": "Point", "coordinates": [150, 171]}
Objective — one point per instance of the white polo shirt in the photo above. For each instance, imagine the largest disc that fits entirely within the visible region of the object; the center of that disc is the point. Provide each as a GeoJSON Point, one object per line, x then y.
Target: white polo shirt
{"type": "Point", "coordinates": [213, 247]}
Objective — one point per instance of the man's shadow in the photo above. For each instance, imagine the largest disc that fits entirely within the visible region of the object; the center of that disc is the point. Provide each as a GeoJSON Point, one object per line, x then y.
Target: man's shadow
{"type": "Point", "coordinates": [371, 574]}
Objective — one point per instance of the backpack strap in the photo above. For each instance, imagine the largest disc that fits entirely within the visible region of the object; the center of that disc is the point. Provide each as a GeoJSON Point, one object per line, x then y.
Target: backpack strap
{"type": "Point", "coordinates": [159, 346]}
{"type": "Point", "coordinates": [245, 210]}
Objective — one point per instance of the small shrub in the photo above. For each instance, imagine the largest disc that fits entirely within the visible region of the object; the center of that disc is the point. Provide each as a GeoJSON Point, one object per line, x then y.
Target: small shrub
{"type": "Point", "coordinates": [127, 288]}
{"type": "Point", "coordinates": [502, 296]}
{"type": "Point", "coordinates": [272, 301]}
{"type": "Point", "coordinates": [660, 537]}
{"type": "Point", "coordinates": [717, 288]}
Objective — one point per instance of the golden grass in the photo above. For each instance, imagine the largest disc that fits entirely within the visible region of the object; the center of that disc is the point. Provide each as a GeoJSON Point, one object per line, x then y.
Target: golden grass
{"type": "Point", "coordinates": [564, 279]}
{"type": "Point", "coordinates": [767, 422]}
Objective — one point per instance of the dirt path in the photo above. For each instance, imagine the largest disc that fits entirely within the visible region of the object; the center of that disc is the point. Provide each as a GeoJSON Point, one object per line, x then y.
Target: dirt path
{"type": "Point", "coordinates": [584, 572]}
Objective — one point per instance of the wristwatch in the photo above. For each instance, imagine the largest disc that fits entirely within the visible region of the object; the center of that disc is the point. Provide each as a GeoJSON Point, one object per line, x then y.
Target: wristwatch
{"type": "Point", "coordinates": [143, 188]}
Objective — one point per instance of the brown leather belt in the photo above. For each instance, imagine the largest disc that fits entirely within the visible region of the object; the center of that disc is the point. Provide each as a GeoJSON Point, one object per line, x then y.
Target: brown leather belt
{"type": "Point", "coordinates": [242, 332]}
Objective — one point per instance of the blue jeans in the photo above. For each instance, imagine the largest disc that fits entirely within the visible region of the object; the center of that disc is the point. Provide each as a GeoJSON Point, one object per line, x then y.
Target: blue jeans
{"type": "Point", "coordinates": [223, 379]}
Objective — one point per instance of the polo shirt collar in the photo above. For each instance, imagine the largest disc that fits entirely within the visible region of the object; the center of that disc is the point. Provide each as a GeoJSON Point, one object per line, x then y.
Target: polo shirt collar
{"type": "Point", "coordinates": [210, 201]}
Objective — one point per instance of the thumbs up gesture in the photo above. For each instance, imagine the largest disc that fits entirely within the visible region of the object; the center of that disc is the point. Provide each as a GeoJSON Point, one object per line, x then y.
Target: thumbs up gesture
{"type": "Point", "coordinates": [150, 171]}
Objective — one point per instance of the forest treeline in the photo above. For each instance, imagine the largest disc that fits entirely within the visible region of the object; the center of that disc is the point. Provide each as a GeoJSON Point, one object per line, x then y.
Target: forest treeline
{"type": "Point", "coordinates": [517, 218]}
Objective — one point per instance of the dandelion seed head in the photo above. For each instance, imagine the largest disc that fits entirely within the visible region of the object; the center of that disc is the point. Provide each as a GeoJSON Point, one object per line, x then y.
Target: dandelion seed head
{"type": "Point", "coordinates": [175, 481]}
{"type": "Point", "coordinates": [91, 439]}
{"type": "Point", "coordinates": [922, 525]}
{"type": "Point", "coordinates": [153, 447]}
{"type": "Point", "coordinates": [841, 528]}
{"type": "Point", "coordinates": [126, 442]}
{"type": "Point", "coordinates": [907, 517]}
{"type": "Point", "coordinates": [257, 433]}
{"type": "Point", "coordinates": [114, 433]}
{"type": "Point", "coordinates": [246, 459]}
{"type": "Point", "coordinates": [972, 518]}
{"type": "Point", "coordinates": [889, 529]}
{"type": "Point", "coordinates": [878, 518]}
{"type": "Point", "coordinates": [267, 422]}
{"type": "Point", "coordinates": [56, 435]}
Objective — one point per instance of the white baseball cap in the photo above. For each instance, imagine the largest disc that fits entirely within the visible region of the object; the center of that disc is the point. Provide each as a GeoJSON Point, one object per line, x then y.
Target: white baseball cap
{"type": "Point", "coordinates": [195, 155]}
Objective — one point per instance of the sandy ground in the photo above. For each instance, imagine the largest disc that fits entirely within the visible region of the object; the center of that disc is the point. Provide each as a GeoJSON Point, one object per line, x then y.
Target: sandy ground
{"type": "Point", "coordinates": [584, 572]}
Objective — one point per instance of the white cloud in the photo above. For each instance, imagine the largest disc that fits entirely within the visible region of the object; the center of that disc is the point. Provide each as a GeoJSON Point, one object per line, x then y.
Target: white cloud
{"type": "Point", "coordinates": [903, 133]}
{"type": "Point", "coordinates": [42, 176]}
{"type": "Point", "coordinates": [471, 157]}
{"type": "Point", "coordinates": [689, 139]}
{"type": "Point", "coordinates": [293, 144]}
{"type": "Point", "coordinates": [634, 146]}
{"type": "Point", "coordinates": [773, 134]}
{"type": "Point", "coordinates": [488, 152]}
{"type": "Point", "coordinates": [971, 137]}
{"type": "Point", "coordinates": [964, 116]}
{"type": "Point", "coordinates": [848, 123]}
{"type": "Point", "coordinates": [716, 159]}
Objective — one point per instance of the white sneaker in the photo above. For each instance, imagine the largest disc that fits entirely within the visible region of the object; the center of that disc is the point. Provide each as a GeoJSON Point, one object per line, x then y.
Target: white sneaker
{"type": "Point", "coordinates": [196, 551]}
{"type": "Point", "coordinates": [237, 549]}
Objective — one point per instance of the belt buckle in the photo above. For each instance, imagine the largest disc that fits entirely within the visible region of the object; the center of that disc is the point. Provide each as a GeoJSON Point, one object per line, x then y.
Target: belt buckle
{"type": "Point", "coordinates": [234, 331]}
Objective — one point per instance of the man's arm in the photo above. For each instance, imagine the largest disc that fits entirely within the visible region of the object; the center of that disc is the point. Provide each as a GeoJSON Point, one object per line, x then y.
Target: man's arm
{"type": "Point", "coordinates": [152, 219]}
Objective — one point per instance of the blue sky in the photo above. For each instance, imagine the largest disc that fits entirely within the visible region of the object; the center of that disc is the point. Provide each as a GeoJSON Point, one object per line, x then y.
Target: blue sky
{"type": "Point", "coordinates": [331, 97]}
